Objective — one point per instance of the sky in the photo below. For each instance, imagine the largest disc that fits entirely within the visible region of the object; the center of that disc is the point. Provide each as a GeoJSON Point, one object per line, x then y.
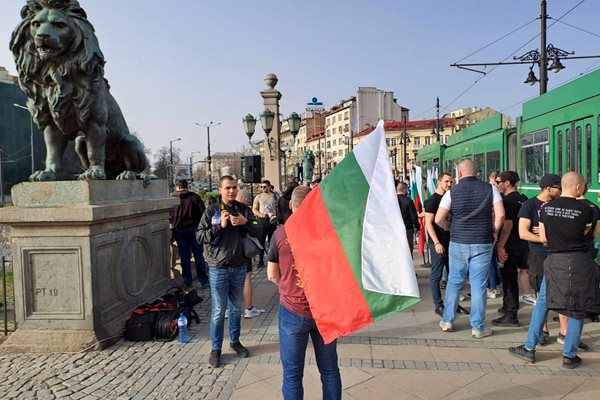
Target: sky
{"type": "Point", "coordinates": [172, 64]}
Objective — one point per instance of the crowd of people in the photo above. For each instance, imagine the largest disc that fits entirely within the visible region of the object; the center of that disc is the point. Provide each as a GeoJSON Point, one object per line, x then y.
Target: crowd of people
{"type": "Point", "coordinates": [484, 233]}
{"type": "Point", "coordinates": [544, 248]}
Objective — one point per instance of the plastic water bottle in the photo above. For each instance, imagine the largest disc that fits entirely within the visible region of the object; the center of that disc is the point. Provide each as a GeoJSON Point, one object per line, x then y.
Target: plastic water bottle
{"type": "Point", "coordinates": [182, 323]}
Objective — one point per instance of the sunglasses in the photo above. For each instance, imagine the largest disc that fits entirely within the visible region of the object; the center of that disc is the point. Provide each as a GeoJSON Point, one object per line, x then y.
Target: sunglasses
{"type": "Point", "coordinates": [263, 187]}
{"type": "Point", "coordinates": [499, 181]}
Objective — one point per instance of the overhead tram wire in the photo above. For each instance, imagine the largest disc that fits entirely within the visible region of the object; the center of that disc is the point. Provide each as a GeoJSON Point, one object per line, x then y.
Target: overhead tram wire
{"type": "Point", "coordinates": [579, 29]}
{"type": "Point", "coordinates": [519, 49]}
{"type": "Point", "coordinates": [496, 41]}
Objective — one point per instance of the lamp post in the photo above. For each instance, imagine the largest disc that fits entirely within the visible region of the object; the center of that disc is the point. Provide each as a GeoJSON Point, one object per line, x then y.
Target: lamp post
{"type": "Point", "coordinates": [438, 127]}
{"type": "Point", "coordinates": [272, 159]}
{"type": "Point", "coordinates": [208, 157]}
{"type": "Point", "coordinates": [30, 136]}
{"type": "Point", "coordinates": [404, 143]}
{"type": "Point", "coordinates": [172, 169]}
{"type": "Point", "coordinates": [285, 153]}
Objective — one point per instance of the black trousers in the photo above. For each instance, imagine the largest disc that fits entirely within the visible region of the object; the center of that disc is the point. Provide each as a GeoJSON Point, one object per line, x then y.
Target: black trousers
{"type": "Point", "coordinates": [510, 281]}
{"type": "Point", "coordinates": [266, 231]}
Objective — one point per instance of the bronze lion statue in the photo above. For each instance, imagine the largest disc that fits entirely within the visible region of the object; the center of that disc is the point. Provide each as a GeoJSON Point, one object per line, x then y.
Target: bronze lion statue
{"type": "Point", "coordinates": [61, 69]}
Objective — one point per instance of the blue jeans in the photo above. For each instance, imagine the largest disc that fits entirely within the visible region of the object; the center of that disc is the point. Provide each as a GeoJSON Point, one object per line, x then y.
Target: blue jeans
{"type": "Point", "coordinates": [439, 262]}
{"type": "Point", "coordinates": [538, 317]}
{"type": "Point", "coordinates": [474, 260]}
{"type": "Point", "coordinates": [226, 292]}
{"type": "Point", "coordinates": [493, 277]}
{"type": "Point", "coordinates": [186, 240]}
{"type": "Point", "coordinates": [293, 339]}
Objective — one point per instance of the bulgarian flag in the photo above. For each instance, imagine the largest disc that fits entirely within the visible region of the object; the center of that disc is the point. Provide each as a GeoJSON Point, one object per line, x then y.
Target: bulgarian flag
{"type": "Point", "coordinates": [349, 243]}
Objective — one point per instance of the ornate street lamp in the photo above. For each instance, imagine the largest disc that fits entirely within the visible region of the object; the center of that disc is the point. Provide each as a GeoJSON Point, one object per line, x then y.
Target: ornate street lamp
{"type": "Point", "coordinates": [271, 97]}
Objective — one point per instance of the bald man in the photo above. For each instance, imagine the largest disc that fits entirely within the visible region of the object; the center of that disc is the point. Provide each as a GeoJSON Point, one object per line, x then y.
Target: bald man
{"type": "Point", "coordinates": [570, 274]}
{"type": "Point", "coordinates": [477, 215]}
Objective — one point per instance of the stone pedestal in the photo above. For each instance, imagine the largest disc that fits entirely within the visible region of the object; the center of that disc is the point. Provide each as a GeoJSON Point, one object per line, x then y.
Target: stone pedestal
{"type": "Point", "coordinates": [84, 255]}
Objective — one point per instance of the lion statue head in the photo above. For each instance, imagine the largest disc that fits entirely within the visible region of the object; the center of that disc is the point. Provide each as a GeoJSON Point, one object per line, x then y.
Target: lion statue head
{"type": "Point", "coordinates": [55, 47]}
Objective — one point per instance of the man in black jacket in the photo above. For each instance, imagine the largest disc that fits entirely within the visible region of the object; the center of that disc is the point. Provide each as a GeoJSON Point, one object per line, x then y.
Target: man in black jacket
{"type": "Point", "coordinates": [409, 215]}
{"type": "Point", "coordinates": [184, 221]}
{"type": "Point", "coordinates": [222, 227]}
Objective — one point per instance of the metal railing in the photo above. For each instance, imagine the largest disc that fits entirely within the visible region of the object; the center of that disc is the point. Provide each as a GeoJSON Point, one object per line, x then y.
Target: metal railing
{"type": "Point", "coordinates": [8, 300]}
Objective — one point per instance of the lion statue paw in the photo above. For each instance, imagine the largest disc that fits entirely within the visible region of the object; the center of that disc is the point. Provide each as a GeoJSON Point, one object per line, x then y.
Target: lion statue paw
{"type": "Point", "coordinates": [93, 174]}
{"type": "Point", "coordinates": [43, 176]}
{"type": "Point", "coordinates": [127, 176]}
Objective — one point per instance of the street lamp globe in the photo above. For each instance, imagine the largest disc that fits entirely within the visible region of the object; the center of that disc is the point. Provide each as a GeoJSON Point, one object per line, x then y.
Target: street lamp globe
{"type": "Point", "coordinates": [266, 120]}
{"type": "Point", "coordinates": [556, 65]}
{"type": "Point", "coordinates": [249, 125]}
{"type": "Point", "coordinates": [294, 121]}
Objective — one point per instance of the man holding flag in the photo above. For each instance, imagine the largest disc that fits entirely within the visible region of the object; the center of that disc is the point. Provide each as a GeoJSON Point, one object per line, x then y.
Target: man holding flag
{"type": "Point", "coordinates": [296, 323]}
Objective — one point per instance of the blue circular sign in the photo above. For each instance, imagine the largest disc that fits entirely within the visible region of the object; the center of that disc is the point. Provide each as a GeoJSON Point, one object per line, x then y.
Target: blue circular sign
{"type": "Point", "coordinates": [314, 100]}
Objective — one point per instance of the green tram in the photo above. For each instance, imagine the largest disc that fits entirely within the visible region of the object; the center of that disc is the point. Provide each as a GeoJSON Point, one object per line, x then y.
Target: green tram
{"type": "Point", "coordinates": [557, 132]}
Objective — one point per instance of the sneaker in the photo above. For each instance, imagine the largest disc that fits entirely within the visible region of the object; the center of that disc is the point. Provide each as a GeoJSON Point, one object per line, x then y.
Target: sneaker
{"type": "Point", "coordinates": [439, 311]}
{"type": "Point", "coordinates": [481, 334]}
{"type": "Point", "coordinates": [582, 346]}
{"type": "Point", "coordinates": [215, 358]}
{"type": "Point", "coordinates": [462, 310]}
{"type": "Point", "coordinates": [446, 326]}
{"type": "Point", "coordinates": [544, 338]}
{"type": "Point", "coordinates": [226, 314]}
{"type": "Point", "coordinates": [529, 299]}
{"type": "Point", "coordinates": [240, 350]}
{"type": "Point", "coordinates": [442, 284]}
{"type": "Point", "coordinates": [571, 362]}
{"type": "Point", "coordinates": [523, 353]}
{"type": "Point", "coordinates": [253, 312]}
{"type": "Point", "coordinates": [505, 320]}
{"type": "Point", "coordinates": [491, 294]}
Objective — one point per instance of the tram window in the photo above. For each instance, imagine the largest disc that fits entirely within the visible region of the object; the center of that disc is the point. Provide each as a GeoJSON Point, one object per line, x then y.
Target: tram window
{"type": "Point", "coordinates": [577, 158]}
{"type": "Point", "coordinates": [568, 149]}
{"type": "Point", "coordinates": [493, 161]}
{"type": "Point", "coordinates": [449, 167]}
{"type": "Point", "coordinates": [559, 152]}
{"type": "Point", "coordinates": [436, 164]}
{"type": "Point", "coordinates": [534, 156]}
{"type": "Point", "coordinates": [588, 153]}
{"type": "Point", "coordinates": [479, 160]}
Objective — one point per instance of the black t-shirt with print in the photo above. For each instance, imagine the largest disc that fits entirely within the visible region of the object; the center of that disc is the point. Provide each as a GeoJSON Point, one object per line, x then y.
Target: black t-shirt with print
{"type": "Point", "coordinates": [431, 206]}
{"type": "Point", "coordinates": [512, 205]}
{"type": "Point", "coordinates": [565, 220]}
{"type": "Point", "coordinates": [530, 210]}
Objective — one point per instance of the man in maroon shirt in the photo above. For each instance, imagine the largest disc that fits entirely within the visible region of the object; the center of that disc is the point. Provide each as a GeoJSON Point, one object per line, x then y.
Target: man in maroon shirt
{"type": "Point", "coordinates": [295, 320]}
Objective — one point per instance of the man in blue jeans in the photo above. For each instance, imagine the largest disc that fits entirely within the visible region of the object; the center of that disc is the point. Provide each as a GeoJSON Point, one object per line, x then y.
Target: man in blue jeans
{"type": "Point", "coordinates": [296, 324]}
{"type": "Point", "coordinates": [438, 241]}
{"type": "Point", "coordinates": [222, 227]}
{"type": "Point", "coordinates": [184, 221]}
{"type": "Point", "coordinates": [570, 273]}
{"type": "Point", "coordinates": [472, 235]}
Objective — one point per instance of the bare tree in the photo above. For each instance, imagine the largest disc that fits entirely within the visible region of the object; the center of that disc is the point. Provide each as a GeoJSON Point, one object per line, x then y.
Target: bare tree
{"type": "Point", "coordinates": [163, 159]}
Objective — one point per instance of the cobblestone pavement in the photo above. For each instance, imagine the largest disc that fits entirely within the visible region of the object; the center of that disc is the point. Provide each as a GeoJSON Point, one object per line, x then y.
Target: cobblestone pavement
{"type": "Point", "coordinates": [408, 344]}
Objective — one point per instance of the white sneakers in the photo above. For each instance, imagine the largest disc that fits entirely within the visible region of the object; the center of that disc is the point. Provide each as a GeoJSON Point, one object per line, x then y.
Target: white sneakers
{"type": "Point", "coordinates": [481, 334]}
{"type": "Point", "coordinates": [446, 326]}
{"type": "Point", "coordinates": [491, 294]}
{"type": "Point", "coordinates": [253, 312]}
{"type": "Point", "coordinates": [529, 299]}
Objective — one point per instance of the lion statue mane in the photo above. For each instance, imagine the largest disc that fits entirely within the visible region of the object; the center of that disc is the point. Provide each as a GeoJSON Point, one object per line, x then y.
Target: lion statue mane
{"type": "Point", "coordinates": [61, 70]}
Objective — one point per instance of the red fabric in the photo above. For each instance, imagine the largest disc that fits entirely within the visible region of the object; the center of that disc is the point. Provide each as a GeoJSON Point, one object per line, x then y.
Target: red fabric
{"type": "Point", "coordinates": [333, 292]}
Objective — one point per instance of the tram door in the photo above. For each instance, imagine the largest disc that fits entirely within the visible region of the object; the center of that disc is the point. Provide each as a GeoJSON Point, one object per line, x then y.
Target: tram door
{"type": "Point", "coordinates": [573, 148]}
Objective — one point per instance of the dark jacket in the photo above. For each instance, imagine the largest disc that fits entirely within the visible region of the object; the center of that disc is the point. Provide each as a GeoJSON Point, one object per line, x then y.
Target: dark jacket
{"type": "Point", "coordinates": [572, 284]}
{"type": "Point", "coordinates": [224, 246]}
{"type": "Point", "coordinates": [188, 212]}
{"type": "Point", "coordinates": [409, 212]}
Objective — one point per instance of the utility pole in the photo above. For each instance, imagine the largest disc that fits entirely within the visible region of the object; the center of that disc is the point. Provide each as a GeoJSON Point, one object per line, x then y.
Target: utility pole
{"type": "Point", "coordinates": [404, 140]}
{"type": "Point", "coordinates": [543, 53]}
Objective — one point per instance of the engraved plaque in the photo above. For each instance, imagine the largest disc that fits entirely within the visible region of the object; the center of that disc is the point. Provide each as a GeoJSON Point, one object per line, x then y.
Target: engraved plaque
{"type": "Point", "coordinates": [53, 284]}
